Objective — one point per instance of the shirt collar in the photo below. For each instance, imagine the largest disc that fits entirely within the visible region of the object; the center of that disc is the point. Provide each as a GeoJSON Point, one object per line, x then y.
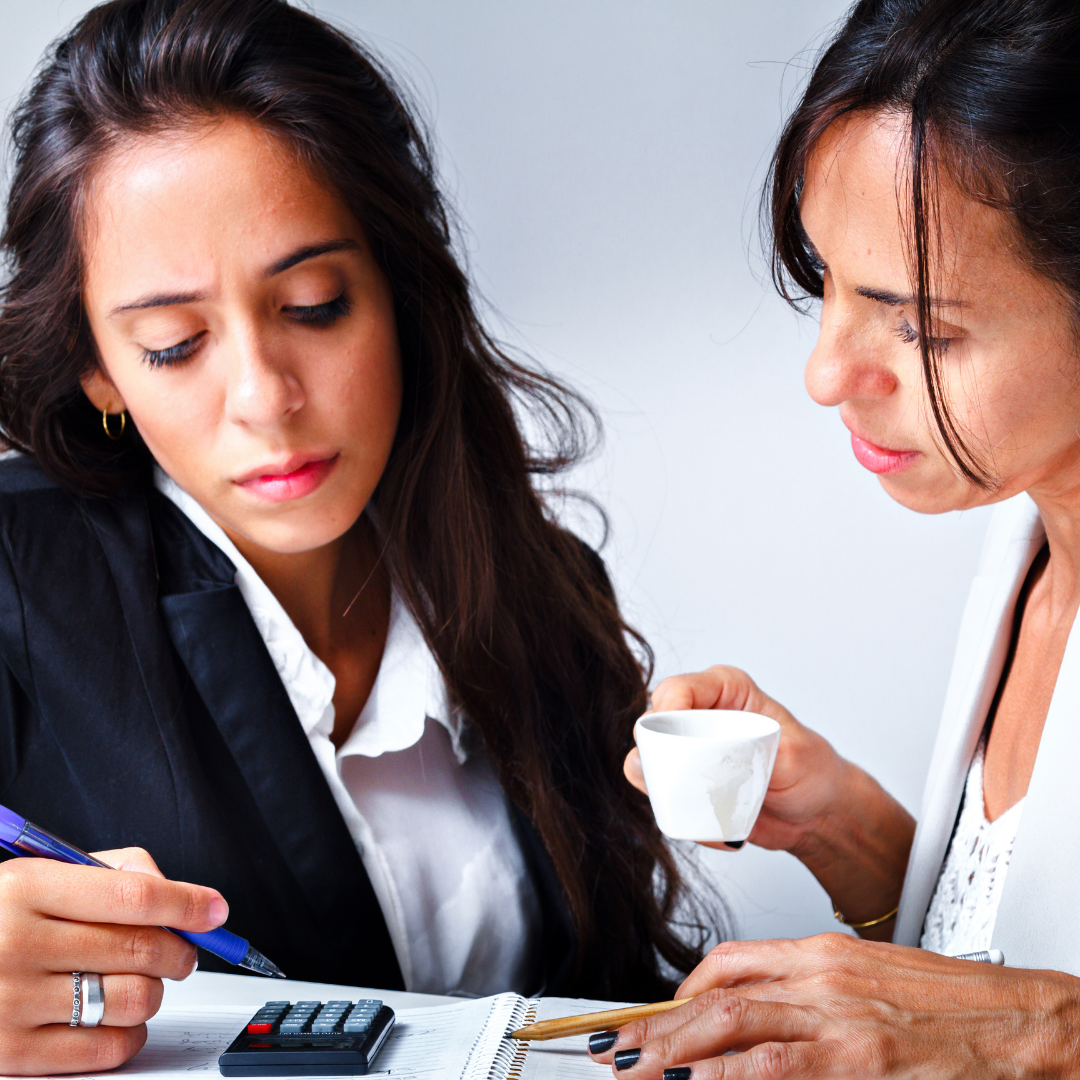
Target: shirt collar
{"type": "Point", "coordinates": [408, 690]}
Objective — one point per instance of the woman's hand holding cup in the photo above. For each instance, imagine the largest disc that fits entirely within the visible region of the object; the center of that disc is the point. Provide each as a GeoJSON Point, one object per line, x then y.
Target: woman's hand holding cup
{"type": "Point", "coordinates": [830, 814]}
{"type": "Point", "coordinates": [808, 772]}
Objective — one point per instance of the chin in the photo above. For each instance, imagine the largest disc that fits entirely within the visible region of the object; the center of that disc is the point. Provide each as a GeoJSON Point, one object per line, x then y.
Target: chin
{"type": "Point", "coordinates": [292, 534]}
{"type": "Point", "coordinates": [924, 497]}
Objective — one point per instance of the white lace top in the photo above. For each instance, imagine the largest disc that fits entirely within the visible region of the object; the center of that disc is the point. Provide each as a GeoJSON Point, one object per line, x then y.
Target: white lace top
{"type": "Point", "coordinates": [964, 906]}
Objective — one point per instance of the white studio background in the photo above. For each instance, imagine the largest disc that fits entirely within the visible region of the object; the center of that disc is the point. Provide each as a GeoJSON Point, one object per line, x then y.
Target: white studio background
{"type": "Point", "coordinates": [605, 156]}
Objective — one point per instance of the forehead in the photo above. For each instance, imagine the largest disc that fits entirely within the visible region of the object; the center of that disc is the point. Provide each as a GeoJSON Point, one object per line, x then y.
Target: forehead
{"type": "Point", "coordinates": [856, 207]}
{"type": "Point", "coordinates": [184, 202]}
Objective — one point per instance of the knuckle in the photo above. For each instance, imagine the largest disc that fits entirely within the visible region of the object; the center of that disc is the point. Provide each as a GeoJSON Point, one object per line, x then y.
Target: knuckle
{"type": "Point", "coordinates": [833, 943]}
{"type": "Point", "coordinates": [710, 998]}
{"type": "Point", "coordinates": [195, 906]}
{"type": "Point", "coordinates": [134, 896]}
{"type": "Point", "coordinates": [633, 1034]}
{"type": "Point", "coordinates": [728, 1012]}
{"type": "Point", "coordinates": [146, 949]}
{"type": "Point", "coordinates": [772, 1061]}
{"type": "Point", "coordinates": [720, 958]}
{"type": "Point", "coordinates": [133, 999]}
{"type": "Point", "coordinates": [113, 1046]}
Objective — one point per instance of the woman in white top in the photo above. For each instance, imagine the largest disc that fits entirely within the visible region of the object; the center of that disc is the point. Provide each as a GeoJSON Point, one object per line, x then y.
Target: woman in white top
{"type": "Point", "coordinates": [927, 192]}
{"type": "Point", "coordinates": [279, 601]}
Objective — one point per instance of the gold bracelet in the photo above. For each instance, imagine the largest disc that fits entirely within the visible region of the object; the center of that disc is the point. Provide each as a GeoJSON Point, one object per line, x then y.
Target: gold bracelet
{"type": "Point", "coordinates": [863, 925]}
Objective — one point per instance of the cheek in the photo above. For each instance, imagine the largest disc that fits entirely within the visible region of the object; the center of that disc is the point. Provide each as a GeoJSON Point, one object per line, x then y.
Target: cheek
{"type": "Point", "coordinates": [1019, 405]}
{"type": "Point", "coordinates": [359, 392]}
{"type": "Point", "coordinates": [178, 413]}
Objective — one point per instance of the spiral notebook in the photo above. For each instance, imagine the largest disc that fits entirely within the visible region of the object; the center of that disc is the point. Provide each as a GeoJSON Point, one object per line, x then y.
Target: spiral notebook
{"type": "Point", "coordinates": [464, 1041]}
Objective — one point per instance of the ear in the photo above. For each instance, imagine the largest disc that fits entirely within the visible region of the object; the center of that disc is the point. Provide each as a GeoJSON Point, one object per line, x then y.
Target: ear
{"type": "Point", "coordinates": [101, 391]}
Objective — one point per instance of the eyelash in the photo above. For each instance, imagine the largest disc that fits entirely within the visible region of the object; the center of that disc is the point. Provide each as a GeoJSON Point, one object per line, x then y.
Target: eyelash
{"type": "Point", "coordinates": [322, 314]}
{"type": "Point", "coordinates": [910, 336]}
{"type": "Point", "coordinates": [315, 315]}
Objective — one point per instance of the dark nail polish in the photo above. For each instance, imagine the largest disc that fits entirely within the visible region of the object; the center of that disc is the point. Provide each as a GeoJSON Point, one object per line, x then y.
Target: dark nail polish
{"type": "Point", "coordinates": [736, 844]}
{"type": "Point", "coordinates": [681, 1073]}
{"type": "Point", "coordinates": [626, 1059]}
{"type": "Point", "coordinates": [602, 1041]}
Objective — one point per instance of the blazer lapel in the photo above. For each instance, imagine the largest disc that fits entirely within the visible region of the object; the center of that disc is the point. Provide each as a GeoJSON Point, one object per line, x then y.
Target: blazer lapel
{"type": "Point", "coordinates": [1012, 543]}
{"type": "Point", "coordinates": [219, 645]}
{"type": "Point", "coordinates": [1036, 920]}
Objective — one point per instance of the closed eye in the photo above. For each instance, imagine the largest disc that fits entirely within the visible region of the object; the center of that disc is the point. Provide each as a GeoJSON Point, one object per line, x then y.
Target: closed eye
{"type": "Point", "coordinates": [320, 314]}
{"type": "Point", "coordinates": [910, 336]}
{"type": "Point", "coordinates": [174, 354]}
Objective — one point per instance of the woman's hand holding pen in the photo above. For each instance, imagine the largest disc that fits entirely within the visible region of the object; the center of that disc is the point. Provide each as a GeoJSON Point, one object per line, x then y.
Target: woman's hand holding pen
{"type": "Point", "coordinates": [836, 1007]}
{"type": "Point", "coordinates": [56, 919]}
{"type": "Point", "coordinates": [834, 817]}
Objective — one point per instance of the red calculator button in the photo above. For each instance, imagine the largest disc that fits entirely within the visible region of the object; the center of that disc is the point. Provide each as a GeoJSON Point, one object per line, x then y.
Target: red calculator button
{"type": "Point", "coordinates": [259, 1029]}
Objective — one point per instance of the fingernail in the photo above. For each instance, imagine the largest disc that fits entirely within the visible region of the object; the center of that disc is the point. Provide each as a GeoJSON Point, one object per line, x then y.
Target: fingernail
{"type": "Point", "coordinates": [735, 844]}
{"type": "Point", "coordinates": [602, 1041]}
{"type": "Point", "coordinates": [680, 1073]}
{"type": "Point", "coordinates": [627, 1059]}
{"type": "Point", "coordinates": [219, 911]}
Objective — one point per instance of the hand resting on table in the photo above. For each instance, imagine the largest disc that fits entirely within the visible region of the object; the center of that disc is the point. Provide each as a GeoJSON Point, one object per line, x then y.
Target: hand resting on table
{"type": "Point", "coordinates": [836, 1007]}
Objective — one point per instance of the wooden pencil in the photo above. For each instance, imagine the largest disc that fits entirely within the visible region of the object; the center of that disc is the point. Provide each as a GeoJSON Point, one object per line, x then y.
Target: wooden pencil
{"type": "Point", "coordinates": [590, 1022]}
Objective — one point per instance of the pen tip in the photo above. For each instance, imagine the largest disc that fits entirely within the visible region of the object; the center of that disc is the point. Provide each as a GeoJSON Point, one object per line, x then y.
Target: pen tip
{"type": "Point", "coordinates": [255, 961]}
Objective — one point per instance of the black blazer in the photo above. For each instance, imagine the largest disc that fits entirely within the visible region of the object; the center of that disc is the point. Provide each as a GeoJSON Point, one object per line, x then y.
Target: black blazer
{"type": "Point", "coordinates": [139, 706]}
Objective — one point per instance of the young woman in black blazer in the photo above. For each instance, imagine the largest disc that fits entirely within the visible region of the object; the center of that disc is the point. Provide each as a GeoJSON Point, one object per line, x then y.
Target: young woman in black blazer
{"type": "Point", "coordinates": [228, 260]}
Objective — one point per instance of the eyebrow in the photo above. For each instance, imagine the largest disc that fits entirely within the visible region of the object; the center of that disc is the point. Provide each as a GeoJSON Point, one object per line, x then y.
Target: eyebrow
{"type": "Point", "coordinates": [310, 251]}
{"type": "Point", "coordinates": [883, 296]}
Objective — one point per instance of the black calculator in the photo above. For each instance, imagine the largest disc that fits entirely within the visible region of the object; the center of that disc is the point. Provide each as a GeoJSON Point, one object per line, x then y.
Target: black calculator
{"type": "Point", "coordinates": [310, 1038]}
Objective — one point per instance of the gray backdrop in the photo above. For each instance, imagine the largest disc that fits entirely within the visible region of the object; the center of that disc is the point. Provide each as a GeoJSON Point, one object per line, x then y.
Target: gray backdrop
{"type": "Point", "coordinates": [606, 158]}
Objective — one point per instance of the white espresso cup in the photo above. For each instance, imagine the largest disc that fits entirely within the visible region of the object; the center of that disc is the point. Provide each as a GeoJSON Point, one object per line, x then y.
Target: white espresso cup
{"type": "Point", "coordinates": [707, 770]}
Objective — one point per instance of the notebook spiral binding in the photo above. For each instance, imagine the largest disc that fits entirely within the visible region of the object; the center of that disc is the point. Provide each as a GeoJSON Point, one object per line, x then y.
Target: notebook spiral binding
{"type": "Point", "coordinates": [494, 1056]}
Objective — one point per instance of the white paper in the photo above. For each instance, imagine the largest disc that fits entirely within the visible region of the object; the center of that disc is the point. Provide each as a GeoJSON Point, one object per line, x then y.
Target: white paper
{"type": "Point", "coordinates": [426, 1044]}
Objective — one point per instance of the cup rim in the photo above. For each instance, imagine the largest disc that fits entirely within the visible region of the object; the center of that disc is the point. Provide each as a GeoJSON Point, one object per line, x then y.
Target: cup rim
{"type": "Point", "coordinates": [644, 722]}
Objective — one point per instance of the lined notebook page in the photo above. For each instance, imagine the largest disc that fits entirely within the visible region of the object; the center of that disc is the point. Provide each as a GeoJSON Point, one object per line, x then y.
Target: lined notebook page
{"type": "Point", "coordinates": [437, 1043]}
{"type": "Point", "coordinates": [565, 1059]}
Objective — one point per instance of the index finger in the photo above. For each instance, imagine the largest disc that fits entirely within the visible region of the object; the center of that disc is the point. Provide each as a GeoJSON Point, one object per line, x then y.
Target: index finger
{"type": "Point", "coordinates": [734, 963]}
{"type": "Point", "coordinates": [95, 895]}
{"type": "Point", "coordinates": [718, 687]}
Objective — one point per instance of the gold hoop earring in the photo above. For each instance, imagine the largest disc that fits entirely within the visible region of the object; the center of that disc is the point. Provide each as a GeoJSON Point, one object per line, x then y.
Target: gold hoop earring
{"type": "Point", "coordinates": [105, 424]}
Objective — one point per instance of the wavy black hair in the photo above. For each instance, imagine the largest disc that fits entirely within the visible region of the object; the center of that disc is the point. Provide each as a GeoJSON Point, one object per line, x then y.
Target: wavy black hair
{"type": "Point", "coordinates": [518, 612]}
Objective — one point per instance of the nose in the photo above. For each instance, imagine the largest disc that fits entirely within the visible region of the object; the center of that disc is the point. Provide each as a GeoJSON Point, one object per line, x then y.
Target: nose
{"type": "Point", "coordinates": [263, 390]}
{"type": "Point", "coordinates": [847, 361]}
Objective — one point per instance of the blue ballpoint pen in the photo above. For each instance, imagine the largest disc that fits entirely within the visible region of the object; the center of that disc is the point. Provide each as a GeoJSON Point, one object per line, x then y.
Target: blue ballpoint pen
{"type": "Point", "coordinates": [25, 838]}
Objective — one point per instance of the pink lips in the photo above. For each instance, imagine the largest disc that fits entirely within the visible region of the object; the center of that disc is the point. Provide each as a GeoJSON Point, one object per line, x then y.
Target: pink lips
{"type": "Point", "coordinates": [294, 480]}
{"type": "Point", "coordinates": [880, 460]}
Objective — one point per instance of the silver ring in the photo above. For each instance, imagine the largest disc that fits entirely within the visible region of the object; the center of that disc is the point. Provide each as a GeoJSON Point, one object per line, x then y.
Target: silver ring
{"type": "Point", "coordinates": [89, 1005]}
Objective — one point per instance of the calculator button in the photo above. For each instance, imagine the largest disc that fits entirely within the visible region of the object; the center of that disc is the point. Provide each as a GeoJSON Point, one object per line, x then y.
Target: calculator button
{"type": "Point", "coordinates": [259, 1029]}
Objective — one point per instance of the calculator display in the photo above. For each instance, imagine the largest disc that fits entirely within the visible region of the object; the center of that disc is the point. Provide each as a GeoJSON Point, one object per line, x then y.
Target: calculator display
{"type": "Point", "coordinates": [309, 1038]}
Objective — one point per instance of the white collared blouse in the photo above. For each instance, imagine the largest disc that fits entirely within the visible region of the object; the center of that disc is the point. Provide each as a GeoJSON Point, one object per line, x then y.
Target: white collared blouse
{"type": "Point", "coordinates": [424, 807]}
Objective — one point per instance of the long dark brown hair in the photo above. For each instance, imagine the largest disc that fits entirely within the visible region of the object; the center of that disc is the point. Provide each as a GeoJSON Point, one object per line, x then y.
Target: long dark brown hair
{"type": "Point", "coordinates": [991, 93]}
{"type": "Point", "coordinates": [518, 611]}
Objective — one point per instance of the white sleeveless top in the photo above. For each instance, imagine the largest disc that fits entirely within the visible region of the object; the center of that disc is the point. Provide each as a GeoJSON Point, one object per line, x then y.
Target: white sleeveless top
{"type": "Point", "coordinates": [964, 906]}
